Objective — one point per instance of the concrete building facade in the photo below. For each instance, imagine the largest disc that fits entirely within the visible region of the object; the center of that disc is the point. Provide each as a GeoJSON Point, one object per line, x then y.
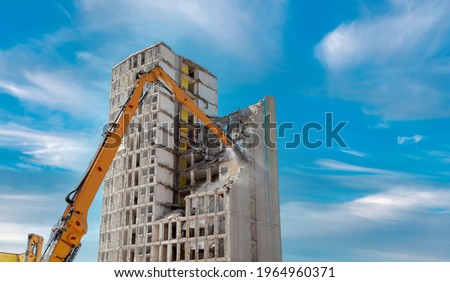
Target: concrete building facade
{"type": "Point", "coordinates": [172, 195]}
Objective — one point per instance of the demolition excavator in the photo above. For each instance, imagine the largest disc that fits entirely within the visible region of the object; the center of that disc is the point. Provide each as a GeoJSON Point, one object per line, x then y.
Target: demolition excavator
{"type": "Point", "coordinates": [65, 238]}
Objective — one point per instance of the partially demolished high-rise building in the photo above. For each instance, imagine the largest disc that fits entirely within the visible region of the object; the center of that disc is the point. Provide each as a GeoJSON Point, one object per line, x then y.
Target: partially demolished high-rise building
{"type": "Point", "coordinates": [171, 193]}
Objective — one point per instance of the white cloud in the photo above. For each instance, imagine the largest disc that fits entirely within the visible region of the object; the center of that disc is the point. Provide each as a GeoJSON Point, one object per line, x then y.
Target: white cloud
{"type": "Point", "coordinates": [365, 214]}
{"type": "Point", "coordinates": [394, 205]}
{"type": "Point", "coordinates": [59, 90]}
{"type": "Point", "coordinates": [23, 197]}
{"type": "Point", "coordinates": [354, 153]}
{"type": "Point", "coordinates": [341, 166]}
{"type": "Point", "coordinates": [51, 83]}
{"type": "Point", "coordinates": [415, 138]}
{"type": "Point", "coordinates": [404, 224]}
{"type": "Point", "coordinates": [367, 178]}
{"type": "Point", "coordinates": [442, 156]}
{"type": "Point", "coordinates": [13, 237]}
{"type": "Point", "coordinates": [28, 166]}
{"type": "Point", "coordinates": [66, 13]}
{"type": "Point", "coordinates": [392, 62]}
{"type": "Point", "coordinates": [22, 213]}
{"type": "Point", "coordinates": [69, 150]}
{"type": "Point", "coordinates": [403, 31]}
{"type": "Point", "coordinates": [398, 203]}
{"type": "Point", "coordinates": [382, 125]}
{"type": "Point", "coordinates": [247, 29]}
{"type": "Point", "coordinates": [237, 30]}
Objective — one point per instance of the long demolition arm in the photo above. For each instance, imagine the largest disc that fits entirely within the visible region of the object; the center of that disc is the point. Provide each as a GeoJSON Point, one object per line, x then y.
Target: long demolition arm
{"type": "Point", "coordinates": [65, 239]}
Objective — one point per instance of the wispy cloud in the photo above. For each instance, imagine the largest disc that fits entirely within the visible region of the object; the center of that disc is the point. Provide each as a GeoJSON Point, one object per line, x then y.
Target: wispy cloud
{"type": "Point", "coordinates": [13, 236]}
{"type": "Point", "coordinates": [66, 13]}
{"type": "Point", "coordinates": [368, 178]}
{"type": "Point", "coordinates": [402, 31]}
{"type": "Point", "coordinates": [354, 153]}
{"type": "Point", "coordinates": [341, 166]}
{"type": "Point", "coordinates": [388, 211]}
{"type": "Point", "coordinates": [442, 156]}
{"type": "Point", "coordinates": [23, 213]}
{"type": "Point", "coordinates": [37, 74]}
{"type": "Point", "coordinates": [57, 90]}
{"type": "Point", "coordinates": [392, 62]}
{"type": "Point", "coordinates": [23, 197]}
{"type": "Point", "coordinates": [398, 203]}
{"type": "Point", "coordinates": [60, 149]}
{"type": "Point", "coordinates": [247, 30]}
{"type": "Point", "coordinates": [382, 125]}
{"type": "Point", "coordinates": [392, 223]}
{"type": "Point", "coordinates": [79, 86]}
{"type": "Point", "coordinates": [404, 139]}
{"type": "Point", "coordinates": [394, 205]}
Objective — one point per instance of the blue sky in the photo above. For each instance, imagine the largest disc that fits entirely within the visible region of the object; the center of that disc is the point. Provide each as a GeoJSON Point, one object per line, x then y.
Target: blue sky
{"type": "Point", "coordinates": [383, 66]}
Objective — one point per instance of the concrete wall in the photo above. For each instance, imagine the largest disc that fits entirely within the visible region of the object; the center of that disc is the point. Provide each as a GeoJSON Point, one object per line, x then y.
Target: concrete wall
{"type": "Point", "coordinates": [255, 207]}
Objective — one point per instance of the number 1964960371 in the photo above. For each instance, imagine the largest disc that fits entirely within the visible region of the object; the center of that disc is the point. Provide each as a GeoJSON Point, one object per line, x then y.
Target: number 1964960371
{"type": "Point", "coordinates": [317, 271]}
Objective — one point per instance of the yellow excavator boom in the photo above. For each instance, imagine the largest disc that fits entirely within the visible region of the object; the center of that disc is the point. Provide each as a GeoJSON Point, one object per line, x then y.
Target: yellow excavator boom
{"type": "Point", "coordinates": [65, 239]}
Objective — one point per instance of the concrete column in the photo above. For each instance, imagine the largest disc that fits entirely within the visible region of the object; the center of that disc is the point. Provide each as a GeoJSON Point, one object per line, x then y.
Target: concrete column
{"type": "Point", "coordinates": [208, 175]}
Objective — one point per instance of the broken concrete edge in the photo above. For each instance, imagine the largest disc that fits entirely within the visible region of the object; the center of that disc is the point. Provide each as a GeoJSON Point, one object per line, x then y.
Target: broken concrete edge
{"type": "Point", "coordinates": [227, 155]}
